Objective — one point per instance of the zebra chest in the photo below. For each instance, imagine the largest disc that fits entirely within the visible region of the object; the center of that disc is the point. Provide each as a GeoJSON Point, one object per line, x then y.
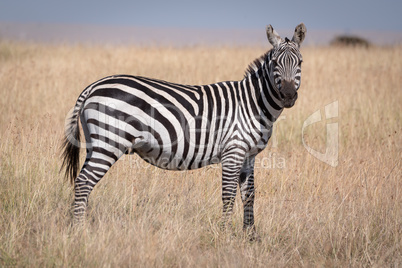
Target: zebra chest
{"type": "Point", "coordinates": [260, 141]}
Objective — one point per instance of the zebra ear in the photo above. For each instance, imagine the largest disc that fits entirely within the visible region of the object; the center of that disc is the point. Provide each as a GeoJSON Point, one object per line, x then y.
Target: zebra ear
{"type": "Point", "coordinates": [273, 36]}
{"type": "Point", "coordinates": [300, 34]}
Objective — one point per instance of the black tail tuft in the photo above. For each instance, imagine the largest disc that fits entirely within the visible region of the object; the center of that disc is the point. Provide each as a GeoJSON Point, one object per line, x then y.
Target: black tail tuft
{"type": "Point", "coordinates": [71, 153]}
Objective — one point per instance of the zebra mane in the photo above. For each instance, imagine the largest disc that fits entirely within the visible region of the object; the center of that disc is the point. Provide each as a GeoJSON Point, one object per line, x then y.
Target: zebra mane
{"type": "Point", "coordinates": [256, 64]}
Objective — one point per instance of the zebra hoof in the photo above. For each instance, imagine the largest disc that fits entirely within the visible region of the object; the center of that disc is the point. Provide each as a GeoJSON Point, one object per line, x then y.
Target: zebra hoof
{"type": "Point", "coordinates": [251, 234]}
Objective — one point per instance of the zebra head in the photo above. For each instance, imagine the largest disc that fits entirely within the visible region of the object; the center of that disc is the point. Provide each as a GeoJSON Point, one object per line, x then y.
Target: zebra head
{"type": "Point", "coordinates": [284, 64]}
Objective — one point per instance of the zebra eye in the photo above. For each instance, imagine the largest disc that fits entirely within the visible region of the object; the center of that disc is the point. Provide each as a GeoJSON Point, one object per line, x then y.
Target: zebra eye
{"type": "Point", "coordinates": [279, 83]}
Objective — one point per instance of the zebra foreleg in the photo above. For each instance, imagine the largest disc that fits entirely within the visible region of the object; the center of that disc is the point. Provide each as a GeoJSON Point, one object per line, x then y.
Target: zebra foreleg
{"type": "Point", "coordinates": [231, 166]}
{"type": "Point", "coordinates": [229, 189]}
{"type": "Point", "coordinates": [247, 191]}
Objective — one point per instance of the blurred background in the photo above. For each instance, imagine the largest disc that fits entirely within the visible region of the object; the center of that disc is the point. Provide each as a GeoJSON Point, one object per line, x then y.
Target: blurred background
{"type": "Point", "coordinates": [207, 22]}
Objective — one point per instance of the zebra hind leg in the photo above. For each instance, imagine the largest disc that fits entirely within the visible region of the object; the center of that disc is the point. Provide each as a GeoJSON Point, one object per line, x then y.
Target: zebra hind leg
{"type": "Point", "coordinates": [92, 172]}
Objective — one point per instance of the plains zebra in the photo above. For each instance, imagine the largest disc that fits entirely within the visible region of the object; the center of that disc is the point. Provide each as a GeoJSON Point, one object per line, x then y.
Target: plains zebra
{"type": "Point", "coordinates": [182, 127]}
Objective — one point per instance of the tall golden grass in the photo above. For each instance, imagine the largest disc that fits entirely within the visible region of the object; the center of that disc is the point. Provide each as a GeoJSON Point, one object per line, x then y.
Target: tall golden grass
{"type": "Point", "coordinates": [307, 212]}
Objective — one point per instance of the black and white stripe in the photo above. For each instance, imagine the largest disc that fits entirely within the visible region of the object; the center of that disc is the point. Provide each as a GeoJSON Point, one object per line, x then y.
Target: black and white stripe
{"type": "Point", "coordinates": [181, 127]}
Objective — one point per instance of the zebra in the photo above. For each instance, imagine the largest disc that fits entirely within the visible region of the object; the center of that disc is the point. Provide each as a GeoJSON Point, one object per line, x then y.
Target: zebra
{"type": "Point", "coordinates": [183, 127]}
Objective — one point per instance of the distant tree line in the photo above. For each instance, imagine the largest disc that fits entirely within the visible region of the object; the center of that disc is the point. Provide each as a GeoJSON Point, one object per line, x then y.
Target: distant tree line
{"type": "Point", "coordinates": [350, 40]}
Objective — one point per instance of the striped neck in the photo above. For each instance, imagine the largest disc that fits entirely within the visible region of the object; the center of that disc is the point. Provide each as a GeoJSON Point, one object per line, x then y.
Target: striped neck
{"type": "Point", "coordinates": [258, 77]}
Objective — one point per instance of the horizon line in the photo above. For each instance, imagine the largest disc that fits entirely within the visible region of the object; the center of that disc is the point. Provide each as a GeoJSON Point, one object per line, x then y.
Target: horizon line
{"type": "Point", "coordinates": [167, 35]}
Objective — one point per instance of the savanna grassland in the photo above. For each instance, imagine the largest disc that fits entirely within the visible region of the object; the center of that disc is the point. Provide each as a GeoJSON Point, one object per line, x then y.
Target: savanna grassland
{"type": "Point", "coordinates": [308, 213]}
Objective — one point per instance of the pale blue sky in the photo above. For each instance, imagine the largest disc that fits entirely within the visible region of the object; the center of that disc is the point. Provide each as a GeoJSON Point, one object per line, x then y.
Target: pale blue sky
{"type": "Point", "coordinates": [341, 15]}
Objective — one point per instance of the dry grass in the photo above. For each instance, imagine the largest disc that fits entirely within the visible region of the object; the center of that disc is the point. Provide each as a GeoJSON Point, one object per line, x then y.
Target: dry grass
{"type": "Point", "coordinates": [307, 213]}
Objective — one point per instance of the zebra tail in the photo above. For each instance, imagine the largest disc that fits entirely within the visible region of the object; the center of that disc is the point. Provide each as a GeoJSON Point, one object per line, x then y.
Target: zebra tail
{"type": "Point", "coordinates": [71, 145]}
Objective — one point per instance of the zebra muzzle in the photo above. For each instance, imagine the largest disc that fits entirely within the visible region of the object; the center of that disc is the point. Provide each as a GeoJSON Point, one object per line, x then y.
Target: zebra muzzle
{"type": "Point", "coordinates": [288, 93]}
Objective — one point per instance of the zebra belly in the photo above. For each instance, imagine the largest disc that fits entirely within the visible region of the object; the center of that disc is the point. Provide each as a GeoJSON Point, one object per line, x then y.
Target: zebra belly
{"type": "Point", "coordinates": [163, 157]}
